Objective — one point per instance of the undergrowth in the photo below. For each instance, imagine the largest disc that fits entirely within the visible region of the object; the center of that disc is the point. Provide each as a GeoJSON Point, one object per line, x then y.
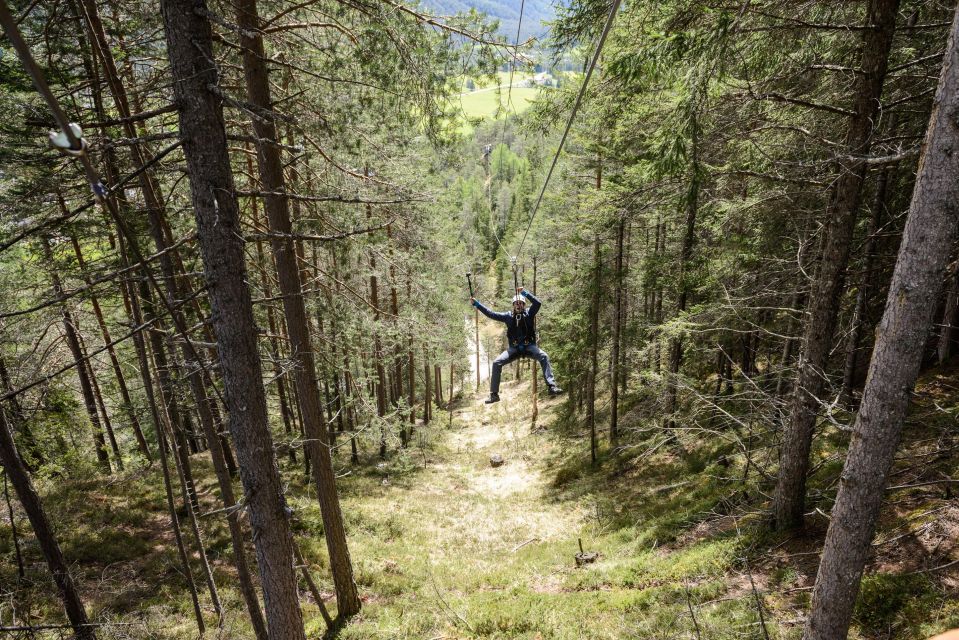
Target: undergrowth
{"type": "Point", "coordinates": [446, 546]}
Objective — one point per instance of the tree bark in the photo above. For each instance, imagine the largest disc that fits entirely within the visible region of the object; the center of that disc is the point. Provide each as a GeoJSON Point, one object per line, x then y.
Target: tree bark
{"type": "Point", "coordinates": [161, 424]}
{"type": "Point", "coordinates": [196, 373]}
{"type": "Point", "coordinates": [617, 336]}
{"type": "Point", "coordinates": [397, 388]}
{"type": "Point", "coordinates": [903, 332]}
{"type": "Point", "coordinates": [193, 511]}
{"type": "Point", "coordinates": [685, 255]}
{"type": "Point", "coordinates": [380, 385]}
{"type": "Point", "coordinates": [286, 413]}
{"type": "Point", "coordinates": [190, 50]}
{"type": "Point", "coordinates": [438, 375]}
{"type": "Point", "coordinates": [950, 317]}
{"type": "Point", "coordinates": [19, 419]}
{"type": "Point", "coordinates": [865, 282]}
{"type": "Point", "coordinates": [790, 496]}
{"type": "Point", "coordinates": [624, 311]}
{"type": "Point", "coordinates": [593, 351]}
{"type": "Point", "coordinates": [101, 405]}
{"type": "Point", "coordinates": [297, 323]}
{"type": "Point", "coordinates": [73, 341]}
{"type": "Point", "coordinates": [27, 494]}
{"type": "Point", "coordinates": [21, 573]}
{"type": "Point", "coordinates": [427, 393]}
{"type": "Point", "coordinates": [114, 360]}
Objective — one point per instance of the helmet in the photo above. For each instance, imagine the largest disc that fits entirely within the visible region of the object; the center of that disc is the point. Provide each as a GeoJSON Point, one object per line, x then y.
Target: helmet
{"type": "Point", "coordinates": [519, 298]}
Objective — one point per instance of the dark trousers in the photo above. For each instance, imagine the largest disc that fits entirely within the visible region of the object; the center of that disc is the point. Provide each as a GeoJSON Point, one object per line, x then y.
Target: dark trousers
{"type": "Point", "coordinates": [514, 353]}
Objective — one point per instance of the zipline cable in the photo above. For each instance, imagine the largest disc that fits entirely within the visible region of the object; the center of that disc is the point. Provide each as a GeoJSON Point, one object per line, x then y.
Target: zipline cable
{"type": "Point", "coordinates": [512, 67]}
{"type": "Point", "coordinates": [572, 116]}
{"type": "Point", "coordinates": [502, 138]}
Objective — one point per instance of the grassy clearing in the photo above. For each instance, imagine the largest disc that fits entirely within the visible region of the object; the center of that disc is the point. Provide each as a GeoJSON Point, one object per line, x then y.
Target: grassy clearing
{"type": "Point", "coordinates": [446, 546]}
{"type": "Point", "coordinates": [479, 552]}
{"type": "Point", "coordinates": [497, 103]}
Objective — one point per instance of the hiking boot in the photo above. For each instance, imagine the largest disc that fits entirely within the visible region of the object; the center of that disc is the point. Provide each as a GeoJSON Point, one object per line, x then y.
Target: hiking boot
{"type": "Point", "coordinates": [493, 397]}
{"type": "Point", "coordinates": [554, 390]}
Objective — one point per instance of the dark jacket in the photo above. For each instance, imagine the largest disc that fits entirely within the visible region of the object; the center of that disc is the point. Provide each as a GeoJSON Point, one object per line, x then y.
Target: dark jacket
{"type": "Point", "coordinates": [520, 328]}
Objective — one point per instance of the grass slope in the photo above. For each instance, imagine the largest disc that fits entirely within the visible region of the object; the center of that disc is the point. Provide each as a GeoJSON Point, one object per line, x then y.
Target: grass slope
{"type": "Point", "coordinates": [447, 547]}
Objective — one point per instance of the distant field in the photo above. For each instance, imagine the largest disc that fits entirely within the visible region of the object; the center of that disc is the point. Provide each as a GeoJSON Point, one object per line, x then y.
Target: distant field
{"type": "Point", "coordinates": [502, 78]}
{"type": "Point", "coordinates": [484, 104]}
{"type": "Point", "coordinates": [490, 98]}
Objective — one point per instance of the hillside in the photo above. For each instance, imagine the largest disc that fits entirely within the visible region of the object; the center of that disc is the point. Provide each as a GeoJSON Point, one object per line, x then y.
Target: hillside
{"type": "Point", "coordinates": [535, 14]}
{"type": "Point", "coordinates": [447, 546]}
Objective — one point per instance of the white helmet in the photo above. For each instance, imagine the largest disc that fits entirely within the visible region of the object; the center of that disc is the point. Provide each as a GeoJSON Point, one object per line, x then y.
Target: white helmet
{"type": "Point", "coordinates": [519, 298]}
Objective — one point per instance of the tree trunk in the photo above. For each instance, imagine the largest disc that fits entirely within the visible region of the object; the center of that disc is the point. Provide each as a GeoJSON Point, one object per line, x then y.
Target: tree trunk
{"type": "Point", "coordinates": [950, 317]}
{"type": "Point", "coordinates": [782, 381]}
{"type": "Point", "coordinates": [534, 414]}
{"type": "Point", "coordinates": [284, 252]}
{"type": "Point", "coordinates": [189, 47]}
{"type": "Point", "coordinates": [789, 499]}
{"type": "Point", "coordinates": [397, 388]}
{"type": "Point", "coordinates": [228, 498]}
{"type": "Point", "coordinates": [617, 336]}
{"type": "Point", "coordinates": [155, 207]}
{"type": "Point", "coordinates": [380, 385]}
{"type": "Point", "coordinates": [193, 509]}
{"type": "Point", "coordinates": [19, 418]}
{"type": "Point", "coordinates": [624, 316]}
{"type": "Point", "coordinates": [114, 360]}
{"type": "Point", "coordinates": [21, 573]}
{"type": "Point", "coordinates": [286, 413]}
{"type": "Point", "coordinates": [449, 405]}
{"type": "Point", "coordinates": [685, 255]}
{"type": "Point", "coordinates": [163, 426]}
{"type": "Point", "coordinates": [167, 389]}
{"type": "Point", "coordinates": [175, 280]}
{"type": "Point", "coordinates": [438, 375]}
{"type": "Point", "coordinates": [427, 392]}
{"type": "Point", "coordinates": [593, 351]}
{"type": "Point", "coordinates": [73, 341]}
{"type": "Point", "coordinates": [162, 422]}
{"type": "Point", "coordinates": [903, 332]}
{"type": "Point", "coordinates": [30, 500]}
{"type": "Point", "coordinates": [865, 282]}
{"type": "Point", "coordinates": [101, 405]}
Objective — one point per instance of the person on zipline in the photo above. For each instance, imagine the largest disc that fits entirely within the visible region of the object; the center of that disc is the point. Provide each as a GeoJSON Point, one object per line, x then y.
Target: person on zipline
{"type": "Point", "coordinates": [521, 334]}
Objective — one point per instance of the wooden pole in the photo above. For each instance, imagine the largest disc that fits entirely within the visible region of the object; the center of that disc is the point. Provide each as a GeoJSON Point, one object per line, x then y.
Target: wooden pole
{"type": "Point", "coordinates": [535, 412]}
{"type": "Point", "coordinates": [477, 342]}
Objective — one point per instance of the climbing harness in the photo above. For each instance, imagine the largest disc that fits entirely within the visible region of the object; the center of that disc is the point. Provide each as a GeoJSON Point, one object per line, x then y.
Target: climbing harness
{"type": "Point", "coordinates": [530, 337]}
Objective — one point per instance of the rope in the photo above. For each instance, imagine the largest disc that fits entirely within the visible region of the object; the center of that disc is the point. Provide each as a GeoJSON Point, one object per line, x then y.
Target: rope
{"type": "Point", "coordinates": [572, 116]}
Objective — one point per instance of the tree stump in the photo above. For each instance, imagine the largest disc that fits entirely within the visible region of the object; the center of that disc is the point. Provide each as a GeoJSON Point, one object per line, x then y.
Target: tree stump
{"type": "Point", "coordinates": [585, 557]}
{"type": "Point", "coordinates": [496, 460]}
